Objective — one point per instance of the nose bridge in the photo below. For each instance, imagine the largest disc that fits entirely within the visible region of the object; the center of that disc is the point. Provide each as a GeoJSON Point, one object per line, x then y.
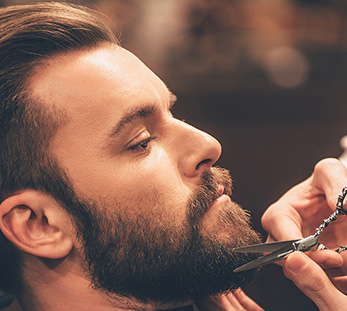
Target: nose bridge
{"type": "Point", "coordinates": [197, 150]}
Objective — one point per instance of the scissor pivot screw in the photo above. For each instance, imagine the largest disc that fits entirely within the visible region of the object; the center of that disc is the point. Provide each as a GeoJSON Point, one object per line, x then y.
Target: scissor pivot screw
{"type": "Point", "coordinates": [341, 249]}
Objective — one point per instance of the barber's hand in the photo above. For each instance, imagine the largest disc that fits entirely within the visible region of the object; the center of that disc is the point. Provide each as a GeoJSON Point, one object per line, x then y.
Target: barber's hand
{"type": "Point", "coordinates": [236, 300]}
{"type": "Point", "coordinates": [314, 283]}
{"type": "Point", "coordinates": [302, 209]}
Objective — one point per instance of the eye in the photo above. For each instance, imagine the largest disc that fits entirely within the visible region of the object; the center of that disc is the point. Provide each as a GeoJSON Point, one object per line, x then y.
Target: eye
{"type": "Point", "coordinates": [142, 145]}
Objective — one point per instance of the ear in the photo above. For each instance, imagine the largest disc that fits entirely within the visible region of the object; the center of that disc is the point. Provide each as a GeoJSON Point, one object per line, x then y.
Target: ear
{"type": "Point", "coordinates": [35, 223]}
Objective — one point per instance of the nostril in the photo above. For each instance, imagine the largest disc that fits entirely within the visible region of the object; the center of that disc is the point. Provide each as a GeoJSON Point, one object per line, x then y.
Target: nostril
{"type": "Point", "coordinates": [206, 161]}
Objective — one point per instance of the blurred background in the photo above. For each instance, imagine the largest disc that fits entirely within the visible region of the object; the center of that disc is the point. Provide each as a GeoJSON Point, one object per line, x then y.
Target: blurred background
{"type": "Point", "coordinates": [267, 78]}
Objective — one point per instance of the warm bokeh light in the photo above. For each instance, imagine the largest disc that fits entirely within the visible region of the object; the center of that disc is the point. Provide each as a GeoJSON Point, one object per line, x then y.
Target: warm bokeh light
{"type": "Point", "coordinates": [268, 78]}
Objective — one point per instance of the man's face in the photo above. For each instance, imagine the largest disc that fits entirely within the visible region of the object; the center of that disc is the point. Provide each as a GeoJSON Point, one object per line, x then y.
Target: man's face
{"type": "Point", "coordinates": [157, 206]}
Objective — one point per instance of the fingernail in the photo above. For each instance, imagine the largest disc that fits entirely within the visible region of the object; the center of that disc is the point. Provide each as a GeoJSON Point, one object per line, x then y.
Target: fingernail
{"type": "Point", "coordinates": [295, 264]}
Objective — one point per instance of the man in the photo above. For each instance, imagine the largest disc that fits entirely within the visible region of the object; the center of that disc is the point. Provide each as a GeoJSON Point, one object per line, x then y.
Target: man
{"type": "Point", "coordinates": [107, 201]}
{"type": "Point", "coordinates": [100, 183]}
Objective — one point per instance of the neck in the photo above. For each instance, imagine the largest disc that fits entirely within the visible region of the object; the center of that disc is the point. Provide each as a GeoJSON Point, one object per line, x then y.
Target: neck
{"type": "Point", "coordinates": [62, 285]}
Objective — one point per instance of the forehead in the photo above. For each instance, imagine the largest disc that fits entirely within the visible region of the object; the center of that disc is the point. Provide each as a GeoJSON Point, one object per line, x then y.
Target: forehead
{"type": "Point", "coordinates": [93, 80]}
{"type": "Point", "coordinates": [95, 89]}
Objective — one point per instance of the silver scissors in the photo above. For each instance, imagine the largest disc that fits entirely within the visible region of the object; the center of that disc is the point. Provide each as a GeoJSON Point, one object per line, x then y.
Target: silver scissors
{"type": "Point", "coordinates": [279, 250]}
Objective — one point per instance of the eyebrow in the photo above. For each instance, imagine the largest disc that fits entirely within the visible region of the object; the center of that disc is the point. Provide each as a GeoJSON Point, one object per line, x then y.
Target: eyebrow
{"type": "Point", "coordinates": [138, 113]}
{"type": "Point", "coordinates": [131, 116]}
{"type": "Point", "coordinates": [173, 99]}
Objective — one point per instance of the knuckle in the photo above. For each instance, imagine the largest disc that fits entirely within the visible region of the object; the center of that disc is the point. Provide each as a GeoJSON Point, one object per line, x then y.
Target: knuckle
{"type": "Point", "coordinates": [326, 164]}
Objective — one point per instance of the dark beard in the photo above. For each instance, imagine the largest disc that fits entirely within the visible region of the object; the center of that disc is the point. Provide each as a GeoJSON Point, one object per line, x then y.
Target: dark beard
{"type": "Point", "coordinates": [143, 259]}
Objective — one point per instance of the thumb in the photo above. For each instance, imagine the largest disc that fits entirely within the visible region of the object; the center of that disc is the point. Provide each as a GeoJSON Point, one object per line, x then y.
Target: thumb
{"type": "Point", "coordinates": [314, 283]}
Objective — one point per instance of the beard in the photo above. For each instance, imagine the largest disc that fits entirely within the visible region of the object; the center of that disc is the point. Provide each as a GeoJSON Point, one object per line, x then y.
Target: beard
{"type": "Point", "coordinates": [151, 260]}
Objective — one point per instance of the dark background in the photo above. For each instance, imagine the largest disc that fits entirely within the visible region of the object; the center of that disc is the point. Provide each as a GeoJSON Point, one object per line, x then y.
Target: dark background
{"type": "Point", "coordinates": [267, 78]}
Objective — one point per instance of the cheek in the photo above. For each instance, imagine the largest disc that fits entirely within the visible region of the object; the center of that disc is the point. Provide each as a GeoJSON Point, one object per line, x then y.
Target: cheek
{"type": "Point", "coordinates": [149, 185]}
{"type": "Point", "coordinates": [157, 195]}
{"type": "Point", "coordinates": [147, 204]}
{"type": "Point", "coordinates": [155, 189]}
{"type": "Point", "coordinates": [156, 175]}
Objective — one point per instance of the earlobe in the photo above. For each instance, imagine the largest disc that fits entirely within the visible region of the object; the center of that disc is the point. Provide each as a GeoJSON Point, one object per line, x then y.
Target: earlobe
{"type": "Point", "coordinates": [36, 224]}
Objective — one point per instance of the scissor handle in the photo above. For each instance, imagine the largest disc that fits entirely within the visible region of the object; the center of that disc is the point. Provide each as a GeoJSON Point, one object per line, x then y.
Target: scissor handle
{"type": "Point", "coordinates": [339, 204]}
{"type": "Point", "coordinates": [339, 211]}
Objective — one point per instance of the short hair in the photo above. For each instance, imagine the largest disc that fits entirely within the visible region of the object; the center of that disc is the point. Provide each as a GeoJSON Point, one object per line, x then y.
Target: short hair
{"type": "Point", "coordinates": [29, 35]}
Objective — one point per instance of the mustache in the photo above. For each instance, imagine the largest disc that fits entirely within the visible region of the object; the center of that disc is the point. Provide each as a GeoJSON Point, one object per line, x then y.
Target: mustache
{"type": "Point", "coordinates": [208, 191]}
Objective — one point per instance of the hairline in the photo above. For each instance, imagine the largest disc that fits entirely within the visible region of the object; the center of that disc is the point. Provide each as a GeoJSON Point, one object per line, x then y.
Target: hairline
{"type": "Point", "coordinates": [34, 103]}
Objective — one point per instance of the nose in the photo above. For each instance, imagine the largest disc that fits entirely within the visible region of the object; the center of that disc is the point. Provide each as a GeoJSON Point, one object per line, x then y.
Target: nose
{"type": "Point", "coordinates": [197, 150]}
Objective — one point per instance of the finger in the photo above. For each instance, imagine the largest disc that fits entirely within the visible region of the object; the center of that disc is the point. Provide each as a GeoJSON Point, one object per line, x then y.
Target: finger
{"type": "Point", "coordinates": [334, 266]}
{"type": "Point", "coordinates": [314, 283]}
{"type": "Point", "coordinates": [246, 302]}
{"type": "Point", "coordinates": [219, 303]}
{"type": "Point", "coordinates": [327, 259]}
{"type": "Point", "coordinates": [339, 271]}
{"type": "Point", "coordinates": [330, 176]}
{"type": "Point", "coordinates": [282, 222]}
{"type": "Point", "coordinates": [340, 283]}
{"type": "Point", "coordinates": [231, 298]}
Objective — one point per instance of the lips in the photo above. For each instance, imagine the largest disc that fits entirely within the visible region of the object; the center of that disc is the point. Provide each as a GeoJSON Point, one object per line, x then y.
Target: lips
{"type": "Point", "coordinates": [220, 190]}
{"type": "Point", "coordinates": [220, 200]}
{"type": "Point", "coordinates": [218, 193]}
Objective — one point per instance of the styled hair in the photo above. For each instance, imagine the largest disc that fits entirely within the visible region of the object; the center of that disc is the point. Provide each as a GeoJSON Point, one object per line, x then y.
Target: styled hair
{"type": "Point", "coordinates": [29, 35]}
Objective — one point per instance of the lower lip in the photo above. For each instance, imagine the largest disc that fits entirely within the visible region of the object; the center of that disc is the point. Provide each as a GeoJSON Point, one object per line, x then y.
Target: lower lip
{"type": "Point", "coordinates": [218, 203]}
{"type": "Point", "coordinates": [222, 199]}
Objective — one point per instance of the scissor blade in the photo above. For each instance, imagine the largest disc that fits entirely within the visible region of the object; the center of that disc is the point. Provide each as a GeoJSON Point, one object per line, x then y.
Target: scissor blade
{"type": "Point", "coordinates": [272, 257]}
{"type": "Point", "coordinates": [264, 247]}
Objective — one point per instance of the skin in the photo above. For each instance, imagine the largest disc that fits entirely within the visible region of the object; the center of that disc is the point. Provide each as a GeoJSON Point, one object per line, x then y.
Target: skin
{"type": "Point", "coordinates": [123, 162]}
{"type": "Point", "coordinates": [320, 275]}
{"type": "Point", "coordinates": [97, 89]}
{"type": "Point", "coordinates": [153, 157]}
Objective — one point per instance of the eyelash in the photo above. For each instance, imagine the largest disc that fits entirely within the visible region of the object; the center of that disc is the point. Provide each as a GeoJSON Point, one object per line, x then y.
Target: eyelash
{"type": "Point", "coordinates": [142, 145]}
